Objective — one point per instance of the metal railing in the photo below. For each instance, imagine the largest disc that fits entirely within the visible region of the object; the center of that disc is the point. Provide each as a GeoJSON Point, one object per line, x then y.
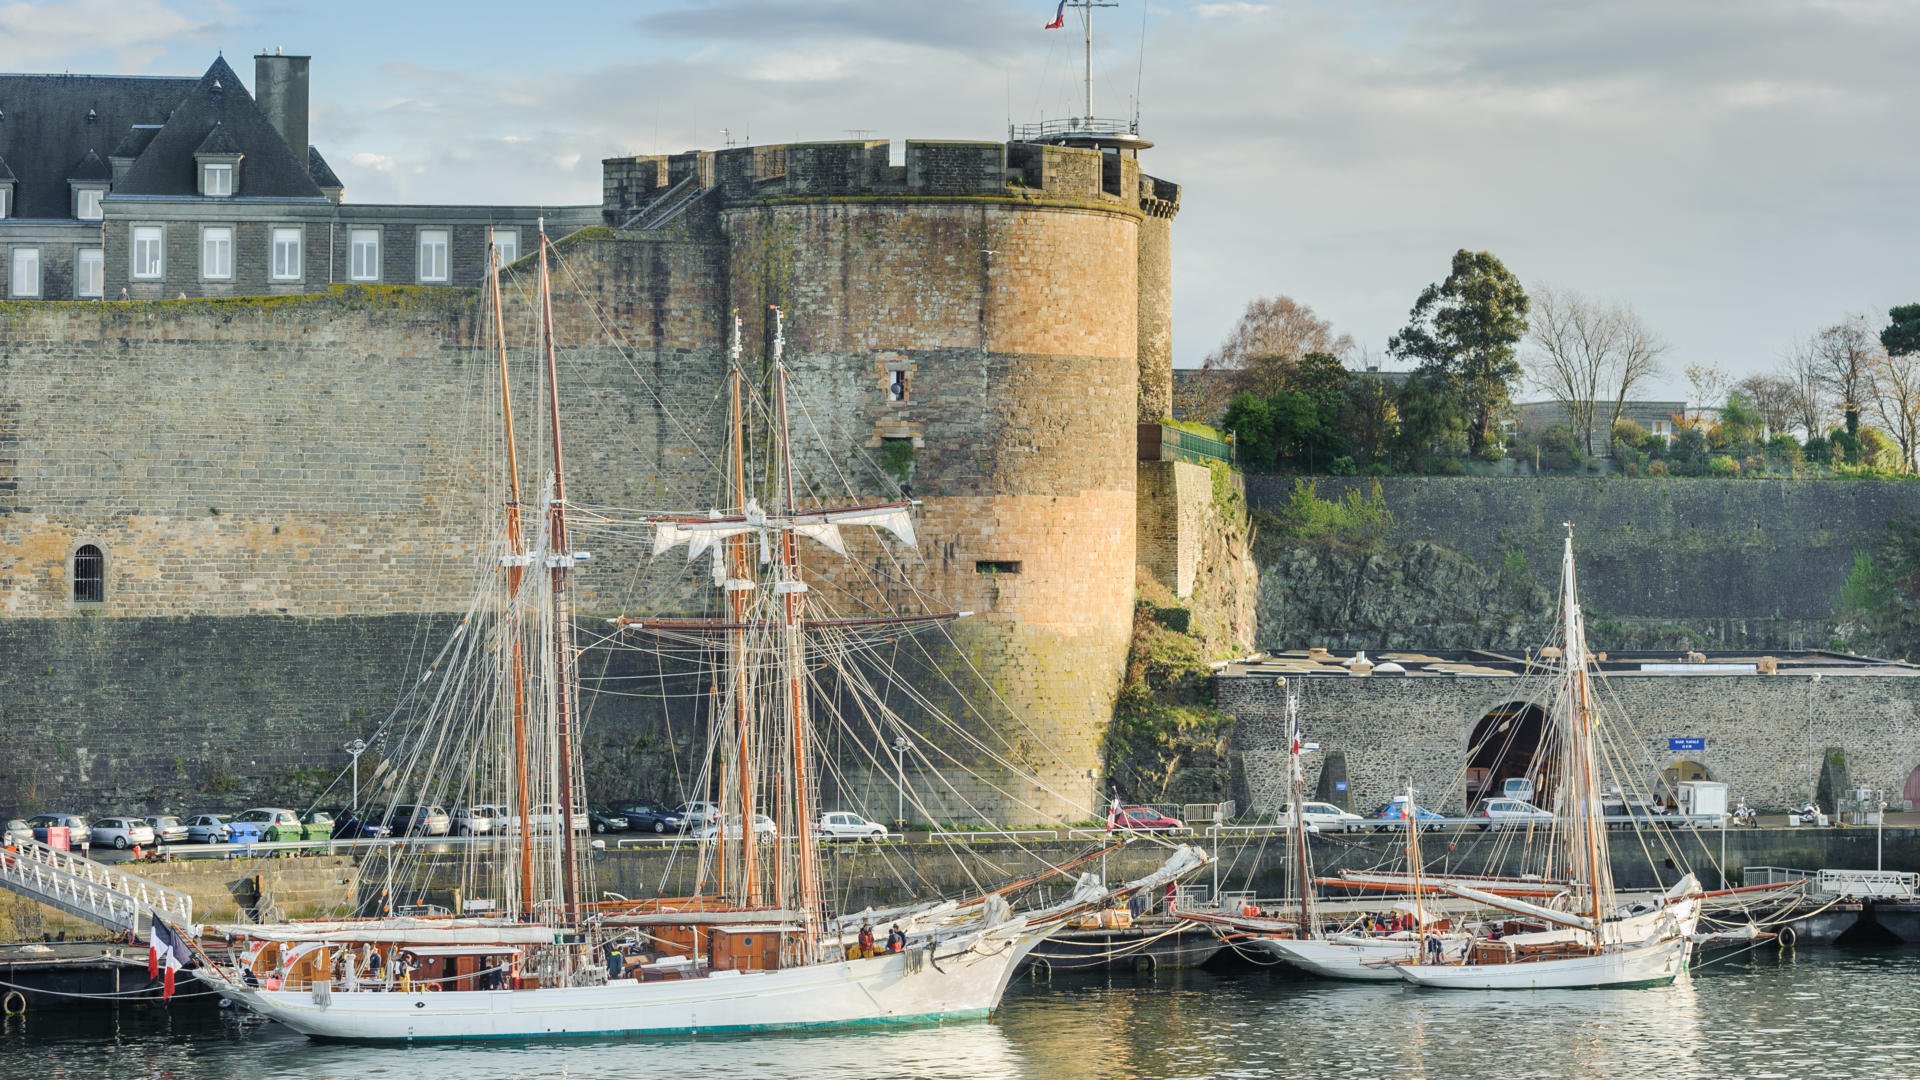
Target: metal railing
{"type": "Point", "coordinates": [1049, 130]}
{"type": "Point", "coordinates": [1866, 884]}
{"type": "Point", "coordinates": [101, 894]}
{"type": "Point", "coordinates": [971, 837]}
{"type": "Point", "coordinates": [1162, 442]}
{"type": "Point", "coordinates": [668, 205]}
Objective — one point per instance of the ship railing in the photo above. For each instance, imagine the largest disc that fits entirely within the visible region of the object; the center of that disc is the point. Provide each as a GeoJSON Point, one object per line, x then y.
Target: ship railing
{"type": "Point", "coordinates": [101, 894]}
{"type": "Point", "coordinates": [1866, 884]}
{"type": "Point", "coordinates": [1047, 130]}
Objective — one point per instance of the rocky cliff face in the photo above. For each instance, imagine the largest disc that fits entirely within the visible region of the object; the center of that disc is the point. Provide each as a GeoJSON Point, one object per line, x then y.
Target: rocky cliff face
{"type": "Point", "coordinates": [1396, 596]}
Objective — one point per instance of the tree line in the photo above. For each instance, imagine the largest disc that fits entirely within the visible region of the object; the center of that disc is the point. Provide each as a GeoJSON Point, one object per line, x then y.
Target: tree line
{"type": "Point", "coordinates": [1285, 386]}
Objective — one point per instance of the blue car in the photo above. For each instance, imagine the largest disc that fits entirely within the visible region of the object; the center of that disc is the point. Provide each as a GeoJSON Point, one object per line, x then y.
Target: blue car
{"type": "Point", "coordinates": [1394, 810]}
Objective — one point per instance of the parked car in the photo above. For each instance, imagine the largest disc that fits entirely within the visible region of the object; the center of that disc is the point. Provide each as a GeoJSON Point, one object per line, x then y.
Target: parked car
{"type": "Point", "coordinates": [418, 819]}
{"type": "Point", "coordinates": [697, 814]}
{"type": "Point", "coordinates": [347, 825]}
{"type": "Point", "coordinates": [605, 820]}
{"type": "Point", "coordinates": [1324, 817]}
{"type": "Point", "coordinates": [763, 827]}
{"type": "Point", "coordinates": [545, 818]}
{"type": "Point", "coordinates": [476, 820]}
{"type": "Point", "coordinates": [78, 833]}
{"type": "Point", "coordinates": [842, 825]}
{"type": "Point", "coordinates": [18, 830]}
{"type": "Point", "coordinates": [316, 825]}
{"type": "Point", "coordinates": [1515, 810]}
{"type": "Point", "coordinates": [647, 817]}
{"type": "Point", "coordinates": [168, 830]}
{"type": "Point", "coordinates": [264, 825]}
{"type": "Point", "coordinates": [123, 832]}
{"type": "Point", "coordinates": [1394, 809]}
{"type": "Point", "coordinates": [1142, 819]}
{"type": "Point", "coordinates": [208, 829]}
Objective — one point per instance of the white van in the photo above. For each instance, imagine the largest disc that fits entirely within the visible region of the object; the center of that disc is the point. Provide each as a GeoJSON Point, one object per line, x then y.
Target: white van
{"type": "Point", "coordinates": [1518, 787]}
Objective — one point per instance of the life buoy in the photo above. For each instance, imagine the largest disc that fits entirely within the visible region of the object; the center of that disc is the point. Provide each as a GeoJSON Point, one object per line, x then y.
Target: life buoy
{"type": "Point", "coordinates": [432, 986]}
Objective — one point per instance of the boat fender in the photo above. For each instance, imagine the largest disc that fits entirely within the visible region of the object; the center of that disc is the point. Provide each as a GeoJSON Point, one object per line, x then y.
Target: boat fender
{"type": "Point", "coordinates": [16, 1003]}
{"type": "Point", "coordinates": [917, 958]}
{"type": "Point", "coordinates": [1788, 937]}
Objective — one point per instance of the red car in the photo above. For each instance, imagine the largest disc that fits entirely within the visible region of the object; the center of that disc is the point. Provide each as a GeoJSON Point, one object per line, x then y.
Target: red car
{"type": "Point", "coordinates": [1142, 819]}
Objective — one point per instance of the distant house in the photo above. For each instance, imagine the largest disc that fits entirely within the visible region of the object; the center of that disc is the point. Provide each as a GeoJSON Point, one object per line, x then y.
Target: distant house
{"type": "Point", "coordinates": [148, 187]}
{"type": "Point", "coordinates": [1535, 417]}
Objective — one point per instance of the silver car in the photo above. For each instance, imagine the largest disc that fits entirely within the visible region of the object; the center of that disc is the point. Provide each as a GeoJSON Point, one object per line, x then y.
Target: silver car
{"type": "Point", "coordinates": [168, 830]}
{"type": "Point", "coordinates": [208, 829]}
{"type": "Point", "coordinates": [123, 832]}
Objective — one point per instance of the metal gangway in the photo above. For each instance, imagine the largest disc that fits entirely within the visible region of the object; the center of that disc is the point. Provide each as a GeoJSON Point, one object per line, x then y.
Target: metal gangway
{"type": "Point", "coordinates": [105, 895]}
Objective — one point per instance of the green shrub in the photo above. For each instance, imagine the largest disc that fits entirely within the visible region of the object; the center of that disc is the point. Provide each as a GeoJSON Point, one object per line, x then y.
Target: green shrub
{"type": "Point", "coordinates": [1357, 519]}
{"type": "Point", "coordinates": [1722, 467]}
{"type": "Point", "coordinates": [1657, 468]}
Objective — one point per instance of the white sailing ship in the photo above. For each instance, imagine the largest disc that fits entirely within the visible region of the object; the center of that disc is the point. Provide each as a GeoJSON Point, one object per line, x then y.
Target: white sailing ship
{"type": "Point", "coordinates": [757, 947]}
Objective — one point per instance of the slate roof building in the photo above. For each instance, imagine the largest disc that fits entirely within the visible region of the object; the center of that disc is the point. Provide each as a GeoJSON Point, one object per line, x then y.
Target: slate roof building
{"type": "Point", "coordinates": [142, 187]}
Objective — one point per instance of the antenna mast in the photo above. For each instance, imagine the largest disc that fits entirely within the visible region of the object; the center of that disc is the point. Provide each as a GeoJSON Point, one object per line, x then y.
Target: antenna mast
{"type": "Point", "coordinates": [1086, 22]}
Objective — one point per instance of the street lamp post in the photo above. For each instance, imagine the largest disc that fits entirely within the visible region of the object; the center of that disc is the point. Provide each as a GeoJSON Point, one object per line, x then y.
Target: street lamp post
{"type": "Point", "coordinates": [356, 748]}
{"type": "Point", "coordinates": [900, 748]}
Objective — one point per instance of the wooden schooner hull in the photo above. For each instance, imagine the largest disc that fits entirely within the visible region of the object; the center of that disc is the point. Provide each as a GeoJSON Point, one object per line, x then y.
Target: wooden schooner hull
{"type": "Point", "coordinates": [1656, 962]}
{"type": "Point", "coordinates": [960, 980]}
{"type": "Point", "coordinates": [1357, 959]}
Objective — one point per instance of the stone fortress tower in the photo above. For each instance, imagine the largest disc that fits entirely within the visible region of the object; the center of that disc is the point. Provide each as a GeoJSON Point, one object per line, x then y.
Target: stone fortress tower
{"type": "Point", "coordinates": [231, 527]}
{"type": "Point", "coordinates": [991, 320]}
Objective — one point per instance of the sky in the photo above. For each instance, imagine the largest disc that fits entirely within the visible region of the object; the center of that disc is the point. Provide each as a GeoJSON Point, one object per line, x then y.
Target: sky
{"type": "Point", "coordinates": [1738, 171]}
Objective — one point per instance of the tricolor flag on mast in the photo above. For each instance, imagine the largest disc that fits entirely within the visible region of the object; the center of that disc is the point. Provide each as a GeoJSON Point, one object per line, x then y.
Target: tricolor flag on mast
{"type": "Point", "coordinates": [166, 946]}
{"type": "Point", "coordinates": [1059, 17]}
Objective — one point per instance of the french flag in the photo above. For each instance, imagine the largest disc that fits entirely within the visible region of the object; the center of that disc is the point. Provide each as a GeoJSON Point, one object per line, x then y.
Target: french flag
{"type": "Point", "coordinates": [165, 945]}
{"type": "Point", "coordinates": [1059, 17]}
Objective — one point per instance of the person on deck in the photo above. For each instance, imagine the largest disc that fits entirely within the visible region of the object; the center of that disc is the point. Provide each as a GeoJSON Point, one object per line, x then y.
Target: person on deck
{"type": "Point", "coordinates": [616, 961]}
{"type": "Point", "coordinates": [896, 939]}
{"type": "Point", "coordinates": [866, 940]}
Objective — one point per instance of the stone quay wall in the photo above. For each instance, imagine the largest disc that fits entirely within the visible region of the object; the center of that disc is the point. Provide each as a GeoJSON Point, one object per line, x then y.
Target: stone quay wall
{"type": "Point", "coordinates": [1765, 735]}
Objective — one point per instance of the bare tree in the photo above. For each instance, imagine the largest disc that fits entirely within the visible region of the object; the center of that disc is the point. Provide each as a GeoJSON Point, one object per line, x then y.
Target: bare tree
{"type": "Point", "coordinates": [1896, 401]}
{"type": "Point", "coordinates": [1809, 391]}
{"type": "Point", "coordinates": [1709, 386]}
{"type": "Point", "coordinates": [1845, 356]}
{"type": "Point", "coordinates": [1587, 357]}
{"type": "Point", "coordinates": [1774, 397]}
{"type": "Point", "coordinates": [1267, 343]}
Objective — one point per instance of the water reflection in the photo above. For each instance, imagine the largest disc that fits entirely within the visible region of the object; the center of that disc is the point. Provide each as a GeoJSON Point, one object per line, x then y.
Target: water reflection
{"type": "Point", "coordinates": [1819, 1013]}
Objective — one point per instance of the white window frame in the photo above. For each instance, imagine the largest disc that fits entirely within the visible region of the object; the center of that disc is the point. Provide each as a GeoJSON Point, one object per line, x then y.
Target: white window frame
{"type": "Point", "coordinates": [28, 257]}
{"type": "Point", "coordinates": [216, 263]}
{"type": "Point", "coordinates": [82, 197]}
{"type": "Point", "coordinates": [225, 170]}
{"type": "Point", "coordinates": [507, 254]}
{"type": "Point", "coordinates": [144, 234]}
{"type": "Point", "coordinates": [6, 200]}
{"type": "Point", "coordinates": [431, 267]}
{"type": "Point", "coordinates": [296, 268]}
{"type": "Point", "coordinates": [357, 239]}
{"type": "Point", "coordinates": [96, 260]}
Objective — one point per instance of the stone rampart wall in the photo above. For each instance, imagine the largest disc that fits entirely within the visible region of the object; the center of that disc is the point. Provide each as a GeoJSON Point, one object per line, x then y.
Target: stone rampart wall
{"type": "Point", "coordinates": [1765, 734]}
{"type": "Point", "coordinates": [1709, 563]}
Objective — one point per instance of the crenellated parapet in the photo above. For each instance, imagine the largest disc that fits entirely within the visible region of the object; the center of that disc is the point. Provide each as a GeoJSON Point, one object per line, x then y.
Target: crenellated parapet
{"type": "Point", "coordinates": [863, 168]}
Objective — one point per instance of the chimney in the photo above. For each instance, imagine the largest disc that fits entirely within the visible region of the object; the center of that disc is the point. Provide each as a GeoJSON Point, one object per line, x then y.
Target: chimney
{"type": "Point", "coordinates": [280, 89]}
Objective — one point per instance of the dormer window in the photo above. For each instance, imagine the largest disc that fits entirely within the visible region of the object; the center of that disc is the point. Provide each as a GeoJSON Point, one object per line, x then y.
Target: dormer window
{"type": "Point", "coordinates": [86, 203]}
{"type": "Point", "coordinates": [218, 163]}
{"type": "Point", "coordinates": [216, 180]}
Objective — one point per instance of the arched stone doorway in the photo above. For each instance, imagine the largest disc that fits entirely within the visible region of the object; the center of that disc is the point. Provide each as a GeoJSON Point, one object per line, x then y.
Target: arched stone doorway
{"type": "Point", "coordinates": [1506, 744]}
{"type": "Point", "coordinates": [1681, 770]}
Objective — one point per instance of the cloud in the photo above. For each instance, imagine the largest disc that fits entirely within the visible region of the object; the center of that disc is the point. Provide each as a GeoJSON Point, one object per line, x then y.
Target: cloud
{"type": "Point", "coordinates": [125, 34]}
{"type": "Point", "coordinates": [1740, 175]}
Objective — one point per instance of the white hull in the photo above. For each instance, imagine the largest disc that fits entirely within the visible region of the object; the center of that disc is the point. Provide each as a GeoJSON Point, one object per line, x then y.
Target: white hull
{"type": "Point", "coordinates": [1361, 959]}
{"type": "Point", "coordinates": [1654, 963]}
{"type": "Point", "coordinates": [961, 980]}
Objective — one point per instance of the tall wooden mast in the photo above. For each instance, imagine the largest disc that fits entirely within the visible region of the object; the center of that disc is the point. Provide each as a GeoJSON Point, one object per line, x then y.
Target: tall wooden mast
{"type": "Point", "coordinates": [792, 596]}
{"type": "Point", "coordinates": [516, 570]}
{"type": "Point", "coordinates": [739, 585]}
{"type": "Point", "coordinates": [1303, 855]}
{"type": "Point", "coordinates": [559, 557]}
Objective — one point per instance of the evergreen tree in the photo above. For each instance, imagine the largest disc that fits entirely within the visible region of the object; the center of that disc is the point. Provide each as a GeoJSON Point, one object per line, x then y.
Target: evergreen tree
{"type": "Point", "coordinates": [1463, 330]}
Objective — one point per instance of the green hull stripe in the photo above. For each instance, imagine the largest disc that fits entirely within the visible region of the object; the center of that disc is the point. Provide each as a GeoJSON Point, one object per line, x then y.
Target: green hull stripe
{"type": "Point", "coordinates": [922, 1019]}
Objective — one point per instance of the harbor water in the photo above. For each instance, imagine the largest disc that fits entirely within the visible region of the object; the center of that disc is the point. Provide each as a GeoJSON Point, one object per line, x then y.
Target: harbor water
{"type": "Point", "coordinates": [1813, 1012]}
